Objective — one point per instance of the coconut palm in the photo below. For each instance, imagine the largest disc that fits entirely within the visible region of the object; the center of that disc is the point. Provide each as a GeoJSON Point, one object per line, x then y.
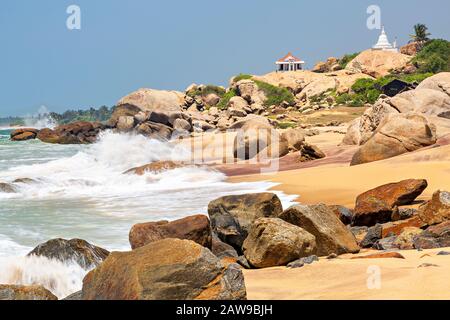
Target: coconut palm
{"type": "Point", "coordinates": [421, 33]}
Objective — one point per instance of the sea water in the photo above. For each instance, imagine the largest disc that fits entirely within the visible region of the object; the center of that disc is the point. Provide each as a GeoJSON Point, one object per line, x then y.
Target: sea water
{"type": "Point", "coordinates": [80, 191]}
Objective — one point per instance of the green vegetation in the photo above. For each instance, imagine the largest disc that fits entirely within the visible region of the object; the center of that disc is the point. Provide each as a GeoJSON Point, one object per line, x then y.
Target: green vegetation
{"type": "Point", "coordinates": [287, 125]}
{"type": "Point", "coordinates": [369, 90]}
{"type": "Point", "coordinates": [208, 89]}
{"type": "Point", "coordinates": [102, 114]}
{"type": "Point", "coordinates": [421, 33]}
{"type": "Point", "coordinates": [223, 103]}
{"type": "Point", "coordinates": [343, 62]}
{"type": "Point", "coordinates": [242, 76]}
{"type": "Point", "coordinates": [434, 57]}
{"type": "Point", "coordinates": [275, 95]}
{"type": "Point", "coordinates": [12, 121]}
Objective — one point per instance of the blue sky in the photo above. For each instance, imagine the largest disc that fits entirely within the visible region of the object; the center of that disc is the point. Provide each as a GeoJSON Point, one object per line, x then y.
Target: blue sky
{"type": "Point", "coordinates": [126, 45]}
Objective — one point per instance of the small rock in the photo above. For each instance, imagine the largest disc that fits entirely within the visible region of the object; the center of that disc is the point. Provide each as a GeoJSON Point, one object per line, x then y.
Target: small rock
{"type": "Point", "coordinates": [443, 253]}
{"type": "Point", "coordinates": [302, 261]}
{"type": "Point", "coordinates": [384, 255]}
{"type": "Point", "coordinates": [427, 265]}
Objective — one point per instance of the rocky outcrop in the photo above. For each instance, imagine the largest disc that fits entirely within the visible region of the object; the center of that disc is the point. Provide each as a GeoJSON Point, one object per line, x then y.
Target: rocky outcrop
{"type": "Point", "coordinates": [378, 63]}
{"type": "Point", "coordinates": [332, 236]}
{"type": "Point", "coordinates": [75, 250]}
{"type": "Point", "coordinates": [397, 134]}
{"type": "Point", "coordinates": [295, 138]}
{"type": "Point", "coordinates": [250, 91]}
{"type": "Point", "coordinates": [437, 236]}
{"type": "Point", "coordinates": [437, 210]}
{"type": "Point", "coordinates": [232, 216]}
{"type": "Point", "coordinates": [169, 269]}
{"type": "Point", "coordinates": [412, 48]}
{"type": "Point", "coordinates": [395, 228]}
{"type": "Point", "coordinates": [378, 205]}
{"type": "Point", "coordinates": [195, 228]}
{"type": "Point", "coordinates": [438, 82]}
{"type": "Point", "coordinates": [24, 134]}
{"type": "Point", "coordinates": [310, 152]}
{"type": "Point", "coordinates": [154, 167]}
{"type": "Point", "coordinates": [421, 100]}
{"type": "Point", "coordinates": [34, 292]}
{"type": "Point", "coordinates": [80, 132]}
{"type": "Point", "coordinates": [7, 188]}
{"type": "Point", "coordinates": [344, 214]}
{"type": "Point", "coordinates": [331, 65]}
{"type": "Point", "coordinates": [273, 242]}
{"type": "Point", "coordinates": [405, 241]}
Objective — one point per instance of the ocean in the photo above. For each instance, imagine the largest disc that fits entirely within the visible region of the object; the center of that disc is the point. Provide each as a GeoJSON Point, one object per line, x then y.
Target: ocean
{"type": "Point", "coordinates": [80, 191]}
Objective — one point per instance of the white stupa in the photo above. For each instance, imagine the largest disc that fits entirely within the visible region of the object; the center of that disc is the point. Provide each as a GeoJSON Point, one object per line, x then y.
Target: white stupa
{"type": "Point", "coordinates": [384, 44]}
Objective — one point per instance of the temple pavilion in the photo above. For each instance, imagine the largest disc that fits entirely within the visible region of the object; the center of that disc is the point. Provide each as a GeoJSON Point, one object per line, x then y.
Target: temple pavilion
{"type": "Point", "coordinates": [289, 63]}
{"type": "Point", "coordinates": [384, 44]}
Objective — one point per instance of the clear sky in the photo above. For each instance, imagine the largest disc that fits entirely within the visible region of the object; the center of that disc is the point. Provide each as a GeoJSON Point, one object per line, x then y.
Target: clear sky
{"type": "Point", "coordinates": [126, 45]}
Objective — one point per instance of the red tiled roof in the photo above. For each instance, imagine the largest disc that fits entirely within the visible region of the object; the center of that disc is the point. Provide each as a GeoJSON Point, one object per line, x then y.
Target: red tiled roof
{"type": "Point", "coordinates": [289, 56]}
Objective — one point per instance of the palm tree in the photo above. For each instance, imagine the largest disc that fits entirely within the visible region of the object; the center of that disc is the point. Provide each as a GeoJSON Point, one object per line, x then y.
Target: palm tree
{"type": "Point", "coordinates": [421, 33]}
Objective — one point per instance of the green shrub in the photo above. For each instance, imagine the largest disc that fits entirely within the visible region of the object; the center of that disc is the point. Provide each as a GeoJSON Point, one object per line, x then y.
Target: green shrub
{"type": "Point", "coordinates": [344, 98]}
{"type": "Point", "coordinates": [223, 103]}
{"type": "Point", "coordinates": [434, 57]}
{"type": "Point", "coordinates": [242, 76]}
{"type": "Point", "coordinates": [287, 125]}
{"type": "Point", "coordinates": [208, 89]}
{"type": "Point", "coordinates": [343, 62]}
{"type": "Point", "coordinates": [275, 95]}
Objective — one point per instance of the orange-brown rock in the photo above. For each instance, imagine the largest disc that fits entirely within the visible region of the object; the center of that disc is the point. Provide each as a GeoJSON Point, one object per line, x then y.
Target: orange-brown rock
{"type": "Point", "coordinates": [24, 134]}
{"type": "Point", "coordinates": [437, 210]}
{"type": "Point", "coordinates": [195, 228]}
{"type": "Point", "coordinates": [170, 269]}
{"type": "Point", "coordinates": [383, 255]}
{"type": "Point", "coordinates": [15, 292]}
{"type": "Point", "coordinates": [377, 205]}
{"type": "Point", "coordinates": [332, 236]}
{"type": "Point", "coordinates": [397, 227]}
{"type": "Point", "coordinates": [155, 167]}
{"type": "Point", "coordinates": [437, 236]}
{"type": "Point", "coordinates": [80, 132]}
{"type": "Point", "coordinates": [411, 49]}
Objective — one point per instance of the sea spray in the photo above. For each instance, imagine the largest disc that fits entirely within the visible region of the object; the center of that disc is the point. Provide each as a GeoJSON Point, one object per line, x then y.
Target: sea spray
{"type": "Point", "coordinates": [61, 278]}
{"type": "Point", "coordinates": [41, 119]}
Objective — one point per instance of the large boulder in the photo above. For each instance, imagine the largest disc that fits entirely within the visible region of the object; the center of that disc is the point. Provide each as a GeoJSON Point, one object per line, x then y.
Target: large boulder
{"type": "Point", "coordinates": [273, 242]}
{"type": "Point", "coordinates": [405, 241]}
{"type": "Point", "coordinates": [439, 82]}
{"type": "Point", "coordinates": [378, 205]}
{"type": "Point", "coordinates": [437, 236]}
{"type": "Point", "coordinates": [395, 228]}
{"type": "Point", "coordinates": [80, 132]}
{"type": "Point", "coordinates": [16, 292]}
{"type": "Point", "coordinates": [159, 103]}
{"type": "Point", "coordinates": [7, 188]}
{"type": "Point", "coordinates": [250, 91]}
{"type": "Point", "coordinates": [232, 216]}
{"type": "Point", "coordinates": [397, 134]}
{"type": "Point", "coordinates": [422, 100]}
{"type": "Point", "coordinates": [170, 269]}
{"type": "Point", "coordinates": [238, 107]}
{"type": "Point", "coordinates": [24, 134]}
{"type": "Point", "coordinates": [79, 251]}
{"type": "Point", "coordinates": [437, 210]}
{"type": "Point", "coordinates": [295, 138]}
{"type": "Point", "coordinates": [332, 236]}
{"type": "Point", "coordinates": [195, 228]}
{"type": "Point", "coordinates": [378, 63]}
{"type": "Point", "coordinates": [155, 130]}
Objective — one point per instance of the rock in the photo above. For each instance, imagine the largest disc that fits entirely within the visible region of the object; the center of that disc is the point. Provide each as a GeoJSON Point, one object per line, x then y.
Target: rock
{"type": "Point", "coordinates": [443, 253]}
{"type": "Point", "coordinates": [331, 234]}
{"type": "Point", "coordinates": [422, 101]}
{"type": "Point", "coordinates": [158, 103]}
{"type": "Point", "coordinates": [397, 227]}
{"type": "Point", "coordinates": [310, 152]}
{"type": "Point", "coordinates": [427, 265]}
{"type": "Point", "coordinates": [232, 216]}
{"type": "Point", "coordinates": [202, 126]}
{"type": "Point", "coordinates": [317, 88]}
{"type": "Point", "coordinates": [412, 48]}
{"type": "Point", "coordinates": [273, 242]}
{"type": "Point", "coordinates": [384, 255]}
{"type": "Point", "coordinates": [79, 251]}
{"type": "Point", "coordinates": [125, 123]}
{"type": "Point", "coordinates": [295, 138]}
{"type": "Point", "coordinates": [155, 130]}
{"type": "Point", "coordinates": [141, 117]}
{"type": "Point", "coordinates": [154, 167]}
{"type": "Point", "coordinates": [331, 65]}
{"type": "Point", "coordinates": [221, 249]}
{"type": "Point", "coordinates": [7, 188]}
{"type": "Point", "coordinates": [437, 210]}
{"type": "Point", "coordinates": [242, 261]}
{"type": "Point", "coordinates": [359, 233]}
{"type": "Point", "coordinates": [237, 107]}
{"type": "Point", "coordinates": [302, 261]}
{"type": "Point", "coordinates": [405, 241]}
{"type": "Point", "coordinates": [437, 236]}
{"type": "Point", "coordinates": [25, 181]}
{"type": "Point", "coordinates": [378, 63]}
{"type": "Point", "coordinates": [373, 235]}
{"type": "Point", "coordinates": [439, 82]}
{"type": "Point", "coordinates": [344, 214]}
{"type": "Point", "coordinates": [396, 86]}
{"type": "Point", "coordinates": [249, 90]}
{"type": "Point", "coordinates": [24, 134]}
{"type": "Point", "coordinates": [396, 135]}
{"type": "Point", "coordinates": [377, 205]}
{"type": "Point", "coordinates": [170, 269]}
{"type": "Point", "coordinates": [211, 99]}
{"type": "Point", "coordinates": [195, 228]}
{"type": "Point", "coordinates": [80, 132]}
{"type": "Point", "coordinates": [403, 214]}
{"type": "Point", "coordinates": [34, 292]}
{"type": "Point", "coordinates": [182, 125]}
{"type": "Point", "coordinates": [385, 243]}
{"type": "Point", "coordinates": [77, 296]}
